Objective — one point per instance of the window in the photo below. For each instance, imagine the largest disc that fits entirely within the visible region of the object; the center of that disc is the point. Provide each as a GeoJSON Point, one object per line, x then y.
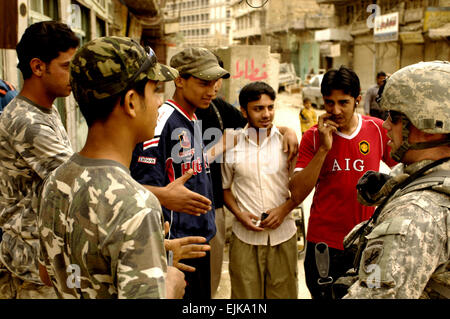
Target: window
{"type": "Point", "coordinates": [79, 22]}
{"type": "Point", "coordinates": [100, 27]}
{"type": "Point", "coordinates": [102, 3]}
{"type": "Point", "coordinates": [43, 10]}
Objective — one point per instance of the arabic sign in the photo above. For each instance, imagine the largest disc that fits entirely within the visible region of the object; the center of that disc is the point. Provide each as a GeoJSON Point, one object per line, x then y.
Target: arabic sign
{"type": "Point", "coordinates": [252, 73]}
{"type": "Point", "coordinates": [436, 17]}
{"type": "Point", "coordinates": [412, 37]}
{"type": "Point", "coordinates": [386, 28]}
{"type": "Point", "coordinates": [248, 63]}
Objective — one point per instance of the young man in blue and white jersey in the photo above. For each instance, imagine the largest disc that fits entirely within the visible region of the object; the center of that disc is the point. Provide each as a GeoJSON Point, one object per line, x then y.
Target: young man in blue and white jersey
{"type": "Point", "coordinates": [177, 150]}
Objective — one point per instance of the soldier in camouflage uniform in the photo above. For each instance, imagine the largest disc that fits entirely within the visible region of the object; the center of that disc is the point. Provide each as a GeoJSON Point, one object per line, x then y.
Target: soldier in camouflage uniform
{"type": "Point", "coordinates": [407, 251]}
{"type": "Point", "coordinates": [33, 142]}
{"type": "Point", "coordinates": [101, 232]}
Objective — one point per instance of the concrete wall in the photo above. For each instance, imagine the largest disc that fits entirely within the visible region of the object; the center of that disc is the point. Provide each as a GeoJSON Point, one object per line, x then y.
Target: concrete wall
{"type": "Point", "coordinates": [345, 58]}
{"type": "Point", "coordinates": [437, 50]}
{"type": "Point", "coordinates": [388, 57]}
{"type": "Point", "coordinates": [363, 61]}
{"type": "Point", "coordinates": [411, 53]}
{"type": "Point", "coordinates": [247, 64]}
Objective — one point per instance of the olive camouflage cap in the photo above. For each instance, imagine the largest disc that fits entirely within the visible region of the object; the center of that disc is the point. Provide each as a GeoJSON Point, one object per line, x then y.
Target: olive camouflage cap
{"type": "Point", "coordinates": [198, 62]}
{"type": "Point", "coordinates": [108, 65]}
{"type": "Point", "coordinates": [421, 92]}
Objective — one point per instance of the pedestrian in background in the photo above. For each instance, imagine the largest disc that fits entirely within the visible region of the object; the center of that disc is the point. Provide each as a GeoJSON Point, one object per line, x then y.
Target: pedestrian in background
{"type": "Point", "coordinates": [307, 115]}
{"type": "Point", "coordinates": [371, 106]}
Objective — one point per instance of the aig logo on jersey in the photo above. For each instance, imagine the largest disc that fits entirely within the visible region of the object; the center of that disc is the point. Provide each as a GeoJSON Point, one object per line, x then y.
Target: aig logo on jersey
{"type": "Point", "coordinates": [364, 147]}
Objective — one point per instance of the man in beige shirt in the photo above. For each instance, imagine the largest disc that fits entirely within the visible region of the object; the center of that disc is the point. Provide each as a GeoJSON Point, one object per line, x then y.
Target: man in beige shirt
{"type": "Point", "coordinates": [263, 253]}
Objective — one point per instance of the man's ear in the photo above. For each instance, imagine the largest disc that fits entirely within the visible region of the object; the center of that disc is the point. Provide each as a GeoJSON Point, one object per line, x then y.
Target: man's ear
{"type": "Point", "coordinates": [244, 112]}
{"type": "Point", "coordinates": [37, 66]}
{"type": "Point", "coordinates": [131, 102]}
{"type": "Point", "coordinates": [179, 82]}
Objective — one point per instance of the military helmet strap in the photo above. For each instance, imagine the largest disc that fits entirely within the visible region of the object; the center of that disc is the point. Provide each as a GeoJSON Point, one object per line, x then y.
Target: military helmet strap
{"type": "Point", "coordinates": [398, 154]}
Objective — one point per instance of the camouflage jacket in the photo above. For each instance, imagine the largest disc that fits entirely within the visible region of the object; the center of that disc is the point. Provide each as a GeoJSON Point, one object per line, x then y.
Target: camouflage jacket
{"type": "Point", "coordinates": [101, 232]}
{"type": "Point", "coordinates": [33, 142]}
{"type": "Point", "coordinates": [408, 248]}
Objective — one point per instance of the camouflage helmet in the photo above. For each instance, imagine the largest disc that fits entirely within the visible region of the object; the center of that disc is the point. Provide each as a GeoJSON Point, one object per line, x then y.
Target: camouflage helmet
{"type": "Point", "coordinates": [421, 92]}
{"type": "Point", "coordinates": [107, 66]}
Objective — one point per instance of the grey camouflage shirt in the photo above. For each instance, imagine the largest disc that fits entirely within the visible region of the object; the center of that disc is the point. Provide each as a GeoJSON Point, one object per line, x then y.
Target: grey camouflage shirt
{"type": "Point", "coordinates": [409, 244]}
{"type": "Point", "coordinates": [33, 142]}
{"type": "Point", "coordinates": [101, 232]}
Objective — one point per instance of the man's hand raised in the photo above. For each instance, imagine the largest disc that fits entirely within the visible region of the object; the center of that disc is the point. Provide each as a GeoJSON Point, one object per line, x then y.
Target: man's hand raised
{"type": "Point", "coordinates": [175, 196]}
{"type": "Point", "coordinates": [185, 248]}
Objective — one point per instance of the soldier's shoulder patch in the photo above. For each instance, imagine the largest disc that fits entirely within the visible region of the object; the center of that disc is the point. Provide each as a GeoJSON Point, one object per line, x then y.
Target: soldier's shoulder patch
{"type": "Point", "coordinates": [372, 255]}
{"type": "Point", "coordinates": [364, 147]}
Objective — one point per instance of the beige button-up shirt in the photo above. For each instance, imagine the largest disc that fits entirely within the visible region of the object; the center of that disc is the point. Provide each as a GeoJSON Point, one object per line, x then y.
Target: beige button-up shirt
{"type": "Point", "coordinates": [259, 175]}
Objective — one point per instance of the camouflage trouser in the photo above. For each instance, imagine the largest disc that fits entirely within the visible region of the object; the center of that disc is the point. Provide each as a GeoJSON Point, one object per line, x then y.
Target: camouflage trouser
{"type": "Point", "coordinates": [12, 287]}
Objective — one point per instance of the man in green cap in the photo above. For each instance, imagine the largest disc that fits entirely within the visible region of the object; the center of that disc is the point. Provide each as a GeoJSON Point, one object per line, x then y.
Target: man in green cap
{"type": "Point", "coordinates": [101, 232]}
{"type": "Point", "coordinates": [177, 149]}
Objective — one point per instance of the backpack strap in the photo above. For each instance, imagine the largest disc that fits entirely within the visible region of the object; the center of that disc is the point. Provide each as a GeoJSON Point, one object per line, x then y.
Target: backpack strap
{"type": "Point", "coordinates": [218, 115]}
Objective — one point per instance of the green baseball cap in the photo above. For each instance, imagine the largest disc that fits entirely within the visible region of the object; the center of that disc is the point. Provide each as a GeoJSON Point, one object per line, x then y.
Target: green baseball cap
{"type": "Point", "coordinates": [107, 66]}
{"type": "Point", "coordinates": [198, 62]}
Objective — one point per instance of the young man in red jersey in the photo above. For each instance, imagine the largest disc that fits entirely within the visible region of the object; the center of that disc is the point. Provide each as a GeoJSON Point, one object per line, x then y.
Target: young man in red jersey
{"type": "Point", "coordinates": [333, 155]}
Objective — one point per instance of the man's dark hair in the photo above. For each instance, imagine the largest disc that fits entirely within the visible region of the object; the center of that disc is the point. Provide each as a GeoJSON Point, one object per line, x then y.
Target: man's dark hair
{"type": "Point", "coordinates": [253, 91]}
{"type": "Point", "coordinates": [344, 79]}
{"type": "Point", "coordinates": [218, 59]}
{"type": "Point", "coordinates": [99, 110]}
{"type": "Point", "coordinates": [380, 92]}
{"type": "Point", "coordinates": [381, 73]}
{"type": "Point", "coordinates": [44, 40]}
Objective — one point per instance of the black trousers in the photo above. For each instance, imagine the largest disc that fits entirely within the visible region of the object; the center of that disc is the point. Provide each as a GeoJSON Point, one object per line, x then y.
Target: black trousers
{"type": "Point", "coordinates": [339, 264]}
{"type": "Point", "coordinates": [198, 283]}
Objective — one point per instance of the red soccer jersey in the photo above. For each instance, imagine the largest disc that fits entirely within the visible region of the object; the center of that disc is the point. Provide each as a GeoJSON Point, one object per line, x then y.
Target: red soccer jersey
{"type": "Point", "coordinates": [335, 209]}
